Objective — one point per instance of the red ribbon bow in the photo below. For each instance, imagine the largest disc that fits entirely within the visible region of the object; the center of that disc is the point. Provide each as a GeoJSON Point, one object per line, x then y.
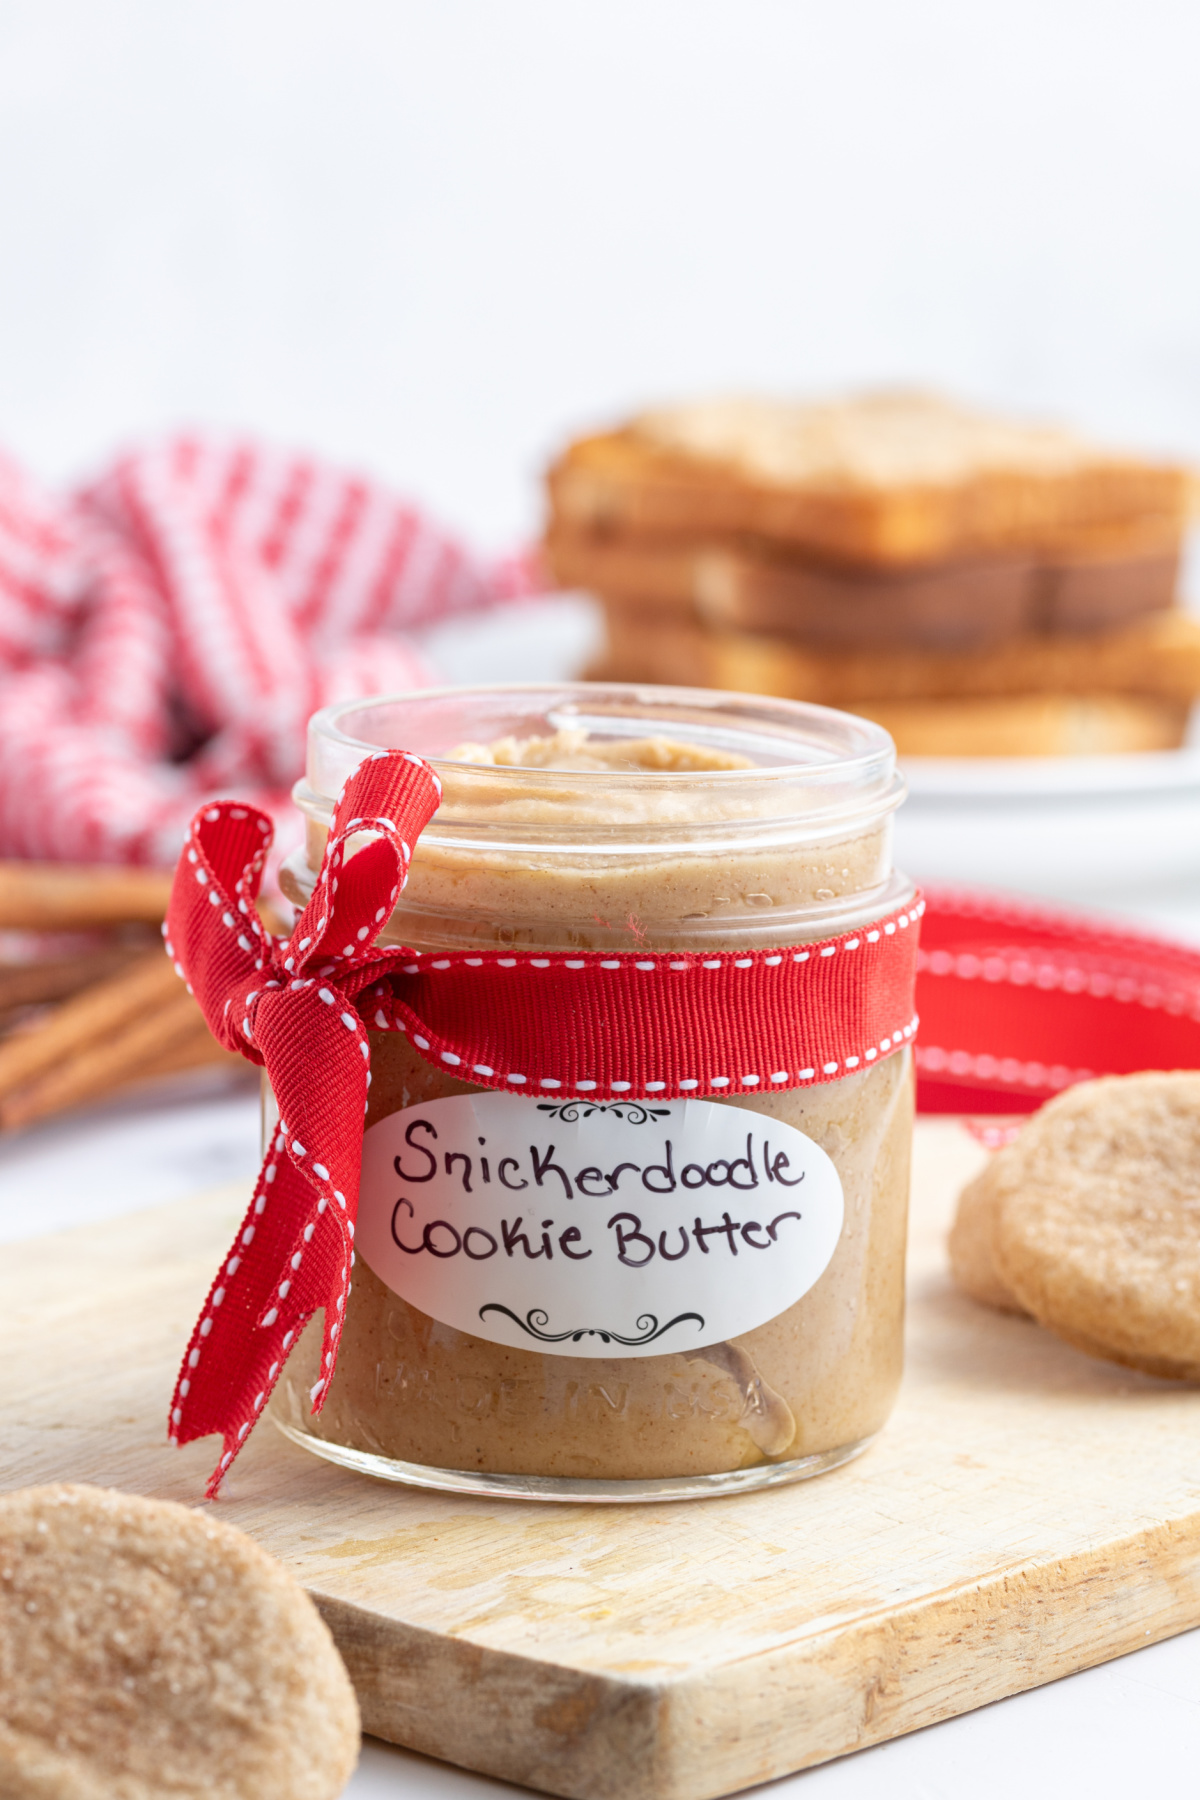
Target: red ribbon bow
{"type": "Point", "coordinates": [289, 1006]}
{"type": "Point", "coordinates": [667, 1025]}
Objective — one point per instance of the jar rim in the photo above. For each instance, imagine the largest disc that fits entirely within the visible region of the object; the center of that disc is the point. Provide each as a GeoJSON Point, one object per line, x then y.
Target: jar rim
{"type": "Point", "coordinates": [829, 749]}
{"type": "Point", "coordinates": [815, 779]}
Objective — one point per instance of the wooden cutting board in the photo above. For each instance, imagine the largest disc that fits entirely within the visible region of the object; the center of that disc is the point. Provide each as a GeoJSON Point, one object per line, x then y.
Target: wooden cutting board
{"type": "Point", "coordinates": [1027, 1513]}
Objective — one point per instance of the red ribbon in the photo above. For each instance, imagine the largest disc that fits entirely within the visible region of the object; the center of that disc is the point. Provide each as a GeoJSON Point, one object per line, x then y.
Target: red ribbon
{"type": "Point", "coordinates": [1019, 1000]}
{"type": "Point", "coordinates": [639, 1024]}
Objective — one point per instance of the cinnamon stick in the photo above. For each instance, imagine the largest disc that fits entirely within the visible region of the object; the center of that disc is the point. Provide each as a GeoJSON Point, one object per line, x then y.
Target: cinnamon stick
{"type": "Point", "coordinates": [55, 978]}
{"type": "Point", "coordinates": [79, 896]}
{"type": "Point", "coordinates": [93, 896]}
{"type": "Point", "coordinates": [90, 1019]}
{"type": "Point", "coordinates": [197, 1051]}
{"type": "Point", "coordinates": [138, 1046]}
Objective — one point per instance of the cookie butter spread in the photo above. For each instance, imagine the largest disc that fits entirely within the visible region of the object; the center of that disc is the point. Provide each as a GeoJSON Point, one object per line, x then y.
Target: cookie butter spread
{"type": "Point", "coordinates": [702, 857]}
{"type": "Point", "coordinates": [579, 750]}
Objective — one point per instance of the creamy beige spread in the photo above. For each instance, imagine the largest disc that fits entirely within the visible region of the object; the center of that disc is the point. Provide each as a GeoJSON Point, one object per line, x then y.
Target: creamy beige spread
{"type": "Point", "coordinates": [583, 753]}
{"type": "Point", "coordinates": [818, 1377]}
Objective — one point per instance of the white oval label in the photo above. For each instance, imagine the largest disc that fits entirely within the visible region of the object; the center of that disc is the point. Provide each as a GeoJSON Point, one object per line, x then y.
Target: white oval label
{"type": "Point", "coordinates": [588, 1229]}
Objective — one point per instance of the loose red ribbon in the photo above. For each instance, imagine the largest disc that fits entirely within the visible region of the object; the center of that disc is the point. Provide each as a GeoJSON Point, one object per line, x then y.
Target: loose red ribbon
{"type": "Point", "coordinates": [1020, 1000]}
{"type": "Point", "coordinates": [640, 1024]}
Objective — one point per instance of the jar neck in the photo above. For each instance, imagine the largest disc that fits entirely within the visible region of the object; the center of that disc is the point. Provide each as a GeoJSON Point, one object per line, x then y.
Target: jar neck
{"type": "Point", "coordinates": [472, 924]}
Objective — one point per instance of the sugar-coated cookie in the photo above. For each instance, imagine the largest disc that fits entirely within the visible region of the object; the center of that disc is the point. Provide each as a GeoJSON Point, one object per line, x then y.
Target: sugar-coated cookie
{"type": "Point", "coordinates": [148, 1650]}
{"type": "Point", "coordinates": [1097, 1233]}
{"type": "Point", "coordinates": [970, 1242]}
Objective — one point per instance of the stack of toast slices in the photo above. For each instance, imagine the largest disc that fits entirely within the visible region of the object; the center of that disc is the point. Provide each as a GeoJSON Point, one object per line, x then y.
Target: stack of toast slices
{"type": "Point", "coordinates": [978, 585]}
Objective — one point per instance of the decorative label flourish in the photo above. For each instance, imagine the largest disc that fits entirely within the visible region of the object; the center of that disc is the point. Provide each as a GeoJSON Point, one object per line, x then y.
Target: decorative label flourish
{"type": "Point", "coordinates": [648, 1326]}
{"type": "Point", "coordinates": [632, 1111]}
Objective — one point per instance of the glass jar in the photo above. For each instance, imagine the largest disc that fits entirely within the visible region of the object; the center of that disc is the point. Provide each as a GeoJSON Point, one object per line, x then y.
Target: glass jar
{"type": "Point", "coordinates": [616, 818]}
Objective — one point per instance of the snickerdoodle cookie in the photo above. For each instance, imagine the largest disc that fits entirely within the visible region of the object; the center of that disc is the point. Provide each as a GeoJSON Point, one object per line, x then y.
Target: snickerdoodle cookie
{"type": "Point", "coordinates": [149, 1652]}
{"type": "Point", "coordinates": [970, 1245]}
{"type": "Point", "coordinates": [1095, 1225]}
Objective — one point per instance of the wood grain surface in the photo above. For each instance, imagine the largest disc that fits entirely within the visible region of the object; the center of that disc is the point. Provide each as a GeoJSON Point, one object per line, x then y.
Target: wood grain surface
{"type": "Point", "coordinates": [1027, 1513]}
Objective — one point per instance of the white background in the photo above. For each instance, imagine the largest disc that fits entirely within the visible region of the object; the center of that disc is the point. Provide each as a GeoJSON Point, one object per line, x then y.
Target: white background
{"type": "Point", "coordinates": [436, 239]}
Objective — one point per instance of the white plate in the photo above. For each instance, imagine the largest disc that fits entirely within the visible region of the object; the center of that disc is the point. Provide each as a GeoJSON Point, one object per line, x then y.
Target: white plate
{"type": "Point", "coordinates": [1008, 778]}
{"type": "Point", "coordinates": [1074, 828]}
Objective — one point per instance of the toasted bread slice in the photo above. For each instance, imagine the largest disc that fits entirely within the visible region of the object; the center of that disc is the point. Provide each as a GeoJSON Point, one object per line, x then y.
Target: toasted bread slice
{"type": "Point", "coordinates": [884, 479]}
{"type": "Point", "coordinates": [940, 606]}
{"type": "Point", "coordinates": [655, 572]}
{"type": "Point", "coordinates": [934, 605]}
{"type": "Point", "coordinates": [937, 606]}
{"type": "Point", "coordinates": [1159, 657]}
{"type": "Point", "coordinates": [1032, 725]}
{"type": "Point", "coordinates": [988, 725]}
{"type": "Point", "coordinates": [821, 603]}
{"type": "Point", "coordinates": [1082, 593]}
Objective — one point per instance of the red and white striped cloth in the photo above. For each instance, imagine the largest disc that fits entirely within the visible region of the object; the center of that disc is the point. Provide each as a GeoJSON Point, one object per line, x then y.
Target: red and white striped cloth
{"type": "Point", "coordinates": [166, 630]}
